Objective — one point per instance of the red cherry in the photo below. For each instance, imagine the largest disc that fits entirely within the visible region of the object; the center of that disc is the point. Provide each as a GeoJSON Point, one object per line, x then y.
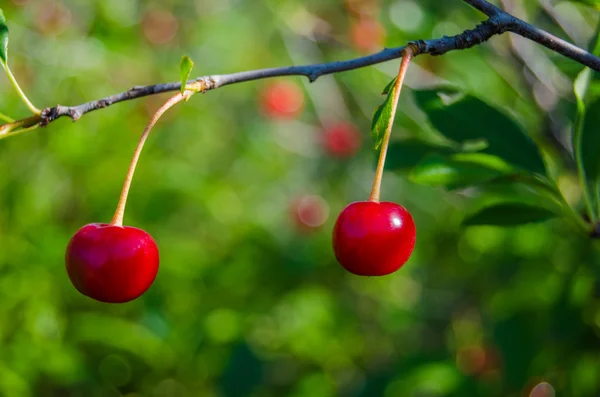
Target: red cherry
{"type": "Point", "coordinates": [159, 26]}
{"type": "Point", "coordinates": [112, 264]}
{"type": "Point", "coordinates": [282, 100]}
{"type": "Point", "coordinates": [367, 35]}
{"type": "Point", "coordinates": [341, 140]}
{"type": "Point", "coordinates": [373, 239]}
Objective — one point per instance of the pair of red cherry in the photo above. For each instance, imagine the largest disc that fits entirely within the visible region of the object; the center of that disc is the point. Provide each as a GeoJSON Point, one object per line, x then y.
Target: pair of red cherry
{"type": "Point", "coordinates": [115, 263]}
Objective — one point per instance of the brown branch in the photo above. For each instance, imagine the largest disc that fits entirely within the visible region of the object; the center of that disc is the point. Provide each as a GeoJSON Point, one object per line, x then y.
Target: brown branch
{"type": "Point", "coordinates": [498, 22]}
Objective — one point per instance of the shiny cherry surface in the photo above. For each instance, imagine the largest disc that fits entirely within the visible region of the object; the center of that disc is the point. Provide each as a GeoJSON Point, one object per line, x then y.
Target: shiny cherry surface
{"type": "Point", "coordinates": [112, 264]}
{"type": "Point", "coordinates": [373, 239]}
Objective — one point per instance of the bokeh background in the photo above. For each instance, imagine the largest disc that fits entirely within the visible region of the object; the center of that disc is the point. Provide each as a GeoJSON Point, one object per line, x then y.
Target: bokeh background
{"type": "Point", "coordinates": [241, 197]}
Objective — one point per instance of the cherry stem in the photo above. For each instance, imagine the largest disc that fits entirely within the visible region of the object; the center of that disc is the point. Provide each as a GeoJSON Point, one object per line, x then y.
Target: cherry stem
{"type": "Point", "coordinates": [17, 87]}
{"type": "Point", "coordinates": [120, 211]}
{"type": "Point", "coordinates": [376, 189]}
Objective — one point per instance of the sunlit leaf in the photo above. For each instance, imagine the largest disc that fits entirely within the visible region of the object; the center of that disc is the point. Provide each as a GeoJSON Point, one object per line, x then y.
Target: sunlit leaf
{"type": "Point", "coordinates": [464, 118]}
{"type": "Point", "coordinates": [185, 68]}
{"type": "Point", "coordinates": [460, 170]}
{"type": "Point", "coordinates": [510, 214]}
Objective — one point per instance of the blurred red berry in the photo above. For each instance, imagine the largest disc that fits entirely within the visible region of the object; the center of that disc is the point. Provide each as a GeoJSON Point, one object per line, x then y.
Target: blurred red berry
{"type": "Point", "coordinates": [282, 100]}
{"type": "Point", "coordinates": [471, 360]}
{"type": "Point", "coordinates": [341, 140]}
{"type": "Point", "coordinates": [159, 26]}
{"type": "Point", "coordinates": [309, 212]}
{"type": "Point", "coordinates": [543, 389]}
{"type": "Point", "coordinates": [367, 35]}
{"type": "Point", "coordinates": [52, 18]}
{"type": "Point", "coordinates": [363, 7]}
{"type": "Point", "coordinates": [480, 361]}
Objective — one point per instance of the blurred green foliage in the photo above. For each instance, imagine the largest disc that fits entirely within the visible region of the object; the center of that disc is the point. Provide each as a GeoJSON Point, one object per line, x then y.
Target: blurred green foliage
{"type": "Point", "coordinates": [247, 302]}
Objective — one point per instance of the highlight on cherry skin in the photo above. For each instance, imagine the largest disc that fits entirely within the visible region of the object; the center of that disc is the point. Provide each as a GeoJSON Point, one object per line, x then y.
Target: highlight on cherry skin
{"type": "Point", "coordinates": [112, 264]}
{"type": "Point", "coordinates": [373, 238]}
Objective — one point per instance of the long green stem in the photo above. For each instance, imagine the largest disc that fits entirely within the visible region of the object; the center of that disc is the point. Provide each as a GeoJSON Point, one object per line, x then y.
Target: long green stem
{"type": "Point", "coordinates": [120, 211]}
{"type": "Point", "coordinates": [4, 117]}
{"type": "Point", "coordinates": [15, 84]}
{"type": "Point", "coordinates": [376, 189]}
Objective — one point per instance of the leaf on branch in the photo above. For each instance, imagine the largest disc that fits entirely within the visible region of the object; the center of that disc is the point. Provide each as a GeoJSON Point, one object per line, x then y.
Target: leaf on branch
{"type": "Point", "coordinates": [185, 68]}
{"type": "Point", "coordinates": [509, 214]}
{"type": "Point", "coordinates": [460, 170]}
{"type": "Point", "coordinates": [382, 116]}
{"type": "Point", "coordinates": [389, 86]}
{"type": "Point", "coordinates": [463, 118]}
{"type": "Point", "coordinates": [407, 153]}
{"type": "Point", "coordinates": [3, 38]}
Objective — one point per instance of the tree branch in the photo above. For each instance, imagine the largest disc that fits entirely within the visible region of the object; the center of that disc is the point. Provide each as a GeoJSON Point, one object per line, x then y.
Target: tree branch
{"type": "Point", "coordinates": [552, 42]}
{"type": "Point", "coordinates": [497, 23]}
{"type": "Point", "coordinates": [488, 9]}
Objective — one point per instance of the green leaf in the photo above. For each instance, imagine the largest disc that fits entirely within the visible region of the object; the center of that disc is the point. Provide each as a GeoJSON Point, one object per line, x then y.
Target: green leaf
{"type": "Point", "coordinates": [590, 141]}
{"type": "Point", "coordinates": [509, 214]}
{"type": "Point", "coordinates": [460, 170]}
{"type": "Point", "coordinates": [464, 118]}
{"type": "Point", "coordinates": [587, 148]}
{"type": "Point", "coordinates": [185, 68]}
{"type": "Point", "coordinates": [407, 153]}
{"type": "Point", "coordinates": [389, 86]}
{"type": "Point", "coordinates": [382, 116]}
{"type": "Point", "coordinates": [3, 38]}
{"type": "Point", "coordinates": [585, 139]}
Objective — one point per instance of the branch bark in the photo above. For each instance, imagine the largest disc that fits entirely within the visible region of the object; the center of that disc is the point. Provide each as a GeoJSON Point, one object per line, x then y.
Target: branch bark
{"type": "Point", "coordinates": [498, 22]}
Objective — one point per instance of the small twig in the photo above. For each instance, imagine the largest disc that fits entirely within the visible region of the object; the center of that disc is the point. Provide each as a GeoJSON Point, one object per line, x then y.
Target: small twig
{"type": "Point", "coordinates": [498, 22]}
